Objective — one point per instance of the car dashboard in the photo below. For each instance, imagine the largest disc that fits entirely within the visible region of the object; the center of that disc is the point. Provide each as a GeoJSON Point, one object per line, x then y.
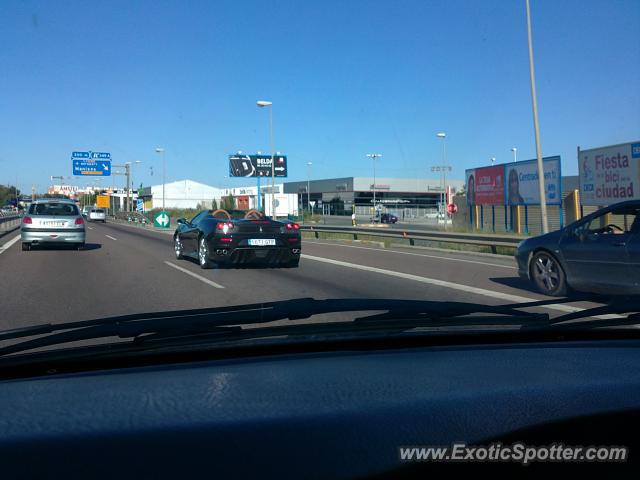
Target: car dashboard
{"type": "Point", "coordinates": [340, 414]}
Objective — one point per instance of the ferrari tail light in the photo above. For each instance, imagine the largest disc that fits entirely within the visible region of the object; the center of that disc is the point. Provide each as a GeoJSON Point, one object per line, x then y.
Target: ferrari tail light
{"type": "Point", "coordinates": [224, 226]}
{"type": "Point", "coordinates": [293, 226]}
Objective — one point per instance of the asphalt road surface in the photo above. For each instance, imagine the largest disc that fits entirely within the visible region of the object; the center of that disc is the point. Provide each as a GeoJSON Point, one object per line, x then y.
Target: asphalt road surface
{"type": "Point", "coordinates": [127, 269]}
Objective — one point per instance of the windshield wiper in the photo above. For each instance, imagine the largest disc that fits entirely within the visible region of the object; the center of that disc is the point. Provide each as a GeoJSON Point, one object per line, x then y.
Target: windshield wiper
{"type": "Point", "coordinates": [230, 320]}
{"type": "Point", "coordinates": [627, 309]}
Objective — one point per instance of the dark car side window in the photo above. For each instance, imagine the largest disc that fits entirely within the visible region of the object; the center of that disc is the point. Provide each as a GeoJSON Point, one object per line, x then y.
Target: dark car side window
{"type": "Point", "coordinates": [195, 220]}
{"type": "Point", "coordinates": [618, 221]}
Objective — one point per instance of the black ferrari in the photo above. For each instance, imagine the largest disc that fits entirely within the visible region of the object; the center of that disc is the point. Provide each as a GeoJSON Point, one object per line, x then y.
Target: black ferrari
{"type": "Point", "coordinates": [237, 238]}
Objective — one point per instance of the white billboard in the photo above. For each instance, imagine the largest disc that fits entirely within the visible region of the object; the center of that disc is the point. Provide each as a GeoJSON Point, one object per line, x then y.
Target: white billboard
{"type": "Point", "coordinates": [286, 204]}
{"type": "Point", "coordinates": [609, 174]}
{"type": "Point", "coordinates": [521, 182]}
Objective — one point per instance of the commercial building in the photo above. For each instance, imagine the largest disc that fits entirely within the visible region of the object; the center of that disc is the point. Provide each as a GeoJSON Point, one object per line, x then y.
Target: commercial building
{"type": "Point", "coordinates": [191, 194]}
{"type": "Point", "coordinates": [411, 196]}
{"type": "Point", "coordinates": [347, 194]}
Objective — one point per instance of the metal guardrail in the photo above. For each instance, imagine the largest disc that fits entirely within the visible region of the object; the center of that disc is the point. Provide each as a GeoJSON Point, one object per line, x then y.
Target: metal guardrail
{"type": "Point", "coordinates": [9, 222]}
{"type": "Point", "coordinates": [490, 241]}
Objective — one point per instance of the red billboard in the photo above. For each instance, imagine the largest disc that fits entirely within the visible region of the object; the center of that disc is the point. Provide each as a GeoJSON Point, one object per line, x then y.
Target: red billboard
{"type": "Point", "coordinates": [489, 185]}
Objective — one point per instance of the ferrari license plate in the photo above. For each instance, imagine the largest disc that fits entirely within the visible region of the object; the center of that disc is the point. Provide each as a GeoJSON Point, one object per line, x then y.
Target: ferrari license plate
{"type": "Point", "coordinates": [262, 242]}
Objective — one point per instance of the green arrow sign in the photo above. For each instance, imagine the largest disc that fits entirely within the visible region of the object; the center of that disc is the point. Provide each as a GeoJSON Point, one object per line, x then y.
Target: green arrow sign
{"type": "Point", "coordinates": [162, 220]}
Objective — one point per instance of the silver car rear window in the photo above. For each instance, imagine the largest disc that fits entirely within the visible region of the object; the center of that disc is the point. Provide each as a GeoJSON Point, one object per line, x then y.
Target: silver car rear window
{"type": "Point", "coordinates": [56, 209]}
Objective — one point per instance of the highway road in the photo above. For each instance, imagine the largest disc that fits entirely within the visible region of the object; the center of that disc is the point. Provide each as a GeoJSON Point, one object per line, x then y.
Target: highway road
{"type": "Point", "coordinates": [127, 269]}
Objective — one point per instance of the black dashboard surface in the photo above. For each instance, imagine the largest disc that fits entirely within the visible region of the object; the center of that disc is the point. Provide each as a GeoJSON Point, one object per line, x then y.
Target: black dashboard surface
{"type": "Point", "coordinates": [334, 415]}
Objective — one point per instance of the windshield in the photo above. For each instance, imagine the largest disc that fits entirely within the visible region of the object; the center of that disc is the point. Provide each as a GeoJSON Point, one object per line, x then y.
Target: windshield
{"type": "Point", "coordinates": [55, 209]}
{"type": "Point", "coordinates": [221, 153]}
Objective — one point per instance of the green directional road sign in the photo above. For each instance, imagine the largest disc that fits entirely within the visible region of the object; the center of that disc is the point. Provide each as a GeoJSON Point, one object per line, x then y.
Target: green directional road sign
{"type": "Point", "coordinates": [162, 220]}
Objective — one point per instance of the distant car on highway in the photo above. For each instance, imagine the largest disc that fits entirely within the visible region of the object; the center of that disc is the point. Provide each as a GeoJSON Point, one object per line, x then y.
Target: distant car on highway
{"type": "Point", "coordinates": [599, 253]}
{"type": "Point", "coordinates": [221, 238]}
{"type": "Point", "coordinates": [97, 215]}
{"type": "Point", "coordinates": [85, 210]}
{"type": "Point", "coordinates": [51, 222]}
{"type": "Point", "coordinates": [388, 218]}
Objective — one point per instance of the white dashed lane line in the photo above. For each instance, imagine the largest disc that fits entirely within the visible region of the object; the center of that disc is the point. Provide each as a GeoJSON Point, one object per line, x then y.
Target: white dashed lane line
{"type": "Point", "coordinates": [450, 259]}
{"type": "Point", "coordinates": [112, 238]}
{"type": "Point", "coordinates": [455, 286]}
{"type": "Point", "coordinates": [194, 275]}
{"type": "Point", "coordinates": [7, 245]}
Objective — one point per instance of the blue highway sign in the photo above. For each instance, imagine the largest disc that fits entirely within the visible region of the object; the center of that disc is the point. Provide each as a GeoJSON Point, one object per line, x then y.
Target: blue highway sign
{"type": "Point", "coordinates": [98, 168]}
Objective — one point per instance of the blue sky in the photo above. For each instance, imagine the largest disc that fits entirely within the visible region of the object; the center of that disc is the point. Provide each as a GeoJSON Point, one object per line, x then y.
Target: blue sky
{"type": "Point", "coordinates": [346, 77]}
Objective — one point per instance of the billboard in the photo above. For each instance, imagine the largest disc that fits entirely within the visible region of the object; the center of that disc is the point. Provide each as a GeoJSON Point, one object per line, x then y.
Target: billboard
{"type": "Point", "coordinates": [609, 174]}
{"type": "Point", "coordinates": [514, 183]}
{"type": "Point", "coordinates": [470, 185]}
{"type": "Point", "coordinates": [256, 165]}
{"type": "Point", "coordinates": [485, 186]}
{"type": "Point", "coordinates": [521, 182]}
{"type": "Point", "coordinates": [102, 201]}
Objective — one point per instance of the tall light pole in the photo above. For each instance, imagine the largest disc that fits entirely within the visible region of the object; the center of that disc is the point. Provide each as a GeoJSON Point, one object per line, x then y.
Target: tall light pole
{"type": "Point", "coordinates": [263, 104]}
{"type": "Point", "coordinates": [309, 164]}
{"type": "Point", "coordinates": [374, 156]}
{"type": "Point", "coordinates": [536, 128]}
{"type": "Point", "coordinates": [164, 171]}
{"type": "Point", "coordinates": [515, 154]}
{"type": "Point", "coordinates": [443, 136]}
{"type": "Point", "coordinates": [493, 160]}
{"type": "Point", "coordinates": [133, 184]}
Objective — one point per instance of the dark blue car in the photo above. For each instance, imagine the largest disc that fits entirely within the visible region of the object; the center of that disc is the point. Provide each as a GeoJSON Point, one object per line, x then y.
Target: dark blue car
{"type": "Point", "coordinates": [599, 253]}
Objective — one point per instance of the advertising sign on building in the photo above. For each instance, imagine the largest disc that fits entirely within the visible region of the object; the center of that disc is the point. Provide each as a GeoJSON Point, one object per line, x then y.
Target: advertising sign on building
{"type": "Point", "coordinates": [285, 203]}
{"type": "Point", "coordinates": [609, 174]}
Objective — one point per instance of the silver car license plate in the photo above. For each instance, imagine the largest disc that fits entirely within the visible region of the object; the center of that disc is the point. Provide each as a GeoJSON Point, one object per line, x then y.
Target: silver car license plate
{"type": "Point", "coordinates": [262, 242]}
{"type": "Point", "coordinates": [53, 223]}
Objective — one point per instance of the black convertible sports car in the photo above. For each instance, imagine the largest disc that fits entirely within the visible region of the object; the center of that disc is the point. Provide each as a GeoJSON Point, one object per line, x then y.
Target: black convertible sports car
{"type": "Point", "coordinates": [237, 238]}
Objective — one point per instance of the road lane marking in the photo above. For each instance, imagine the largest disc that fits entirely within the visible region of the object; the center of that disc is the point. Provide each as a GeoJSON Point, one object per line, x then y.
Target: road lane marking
{"type": "Point", "coordinates": [109, 236]}
{"type": "Point", "coordinates": [194, 275]}
{"type": "Point", "coordinates": [7, 245]}
{"type": "Point", "coordinates": [414, 254]}
{"type": "Point", "coordinates": [455, 286]}
{"type": "Point", "coordinates": [90, 228]}
{"type": "Point", "coordinates": [165, 231]}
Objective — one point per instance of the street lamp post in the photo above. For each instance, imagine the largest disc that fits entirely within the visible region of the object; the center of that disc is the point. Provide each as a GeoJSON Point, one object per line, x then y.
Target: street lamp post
{"type": "Point", "coordinates": [536, 128]}
{"type": "Point", "coordinates": [133, 184]}
{"type": "Point", "coordinates": [515, 154]}
{"type": "Point", "coordinates": [443, 136]}
{"type": "Point", "coordinates": [374, 156]}
{"type": "Point", "coordinates": [308, 186]}
{"type": "Point", "coordinates": [263, 104]}
{"type": "Point", "coordinates": [161, 152]}
{"type": "Point", "coordinates": [493, 160]}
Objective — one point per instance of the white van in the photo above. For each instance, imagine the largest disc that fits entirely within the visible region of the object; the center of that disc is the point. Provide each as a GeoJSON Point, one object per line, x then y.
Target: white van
{"type": "Point", "coordinates": [97, 215]}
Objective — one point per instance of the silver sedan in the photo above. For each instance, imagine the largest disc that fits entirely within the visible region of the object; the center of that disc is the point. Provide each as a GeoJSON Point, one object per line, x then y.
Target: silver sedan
{"type": "Point", "coordinates": [53, 221]}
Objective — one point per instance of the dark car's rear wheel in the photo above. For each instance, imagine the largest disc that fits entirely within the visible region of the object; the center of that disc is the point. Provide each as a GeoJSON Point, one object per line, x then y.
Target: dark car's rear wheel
{"type": "Point", "coordinates": [203, 254]}
{"type": "Point", "coordinates": [26, 247]}
{"type": "Point", "coordinates": [178, 248]}
{"type": "Point", "coordinates": [547, 274]}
